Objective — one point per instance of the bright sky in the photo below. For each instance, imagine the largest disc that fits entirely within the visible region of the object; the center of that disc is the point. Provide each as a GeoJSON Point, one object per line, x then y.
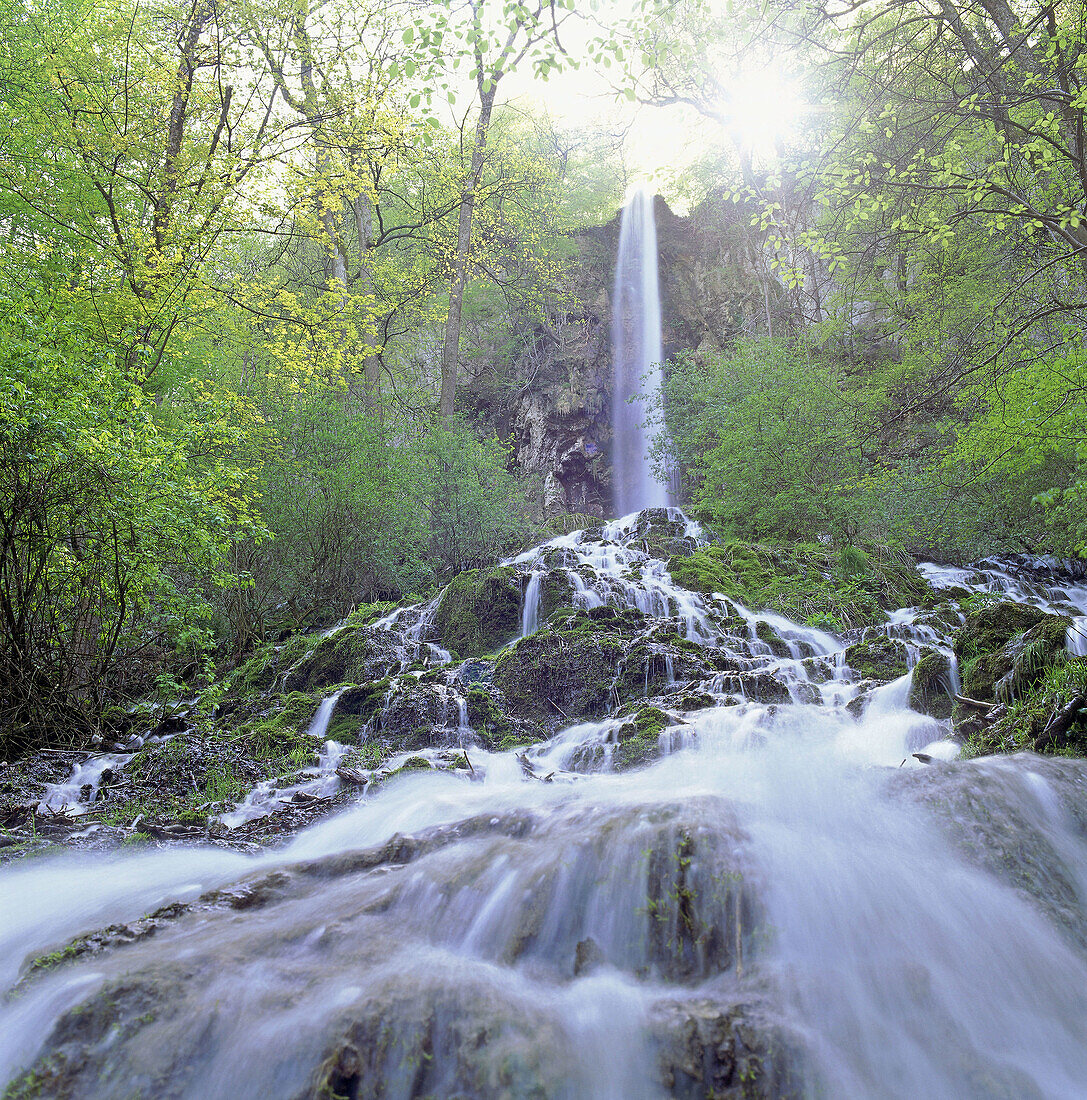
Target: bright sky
{"type": "Point", "coordinates": [761, 105]}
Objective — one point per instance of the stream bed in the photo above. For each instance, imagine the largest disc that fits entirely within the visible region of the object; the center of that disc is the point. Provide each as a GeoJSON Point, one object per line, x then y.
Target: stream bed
{"type": "Point", "coordinates": [776, 899]}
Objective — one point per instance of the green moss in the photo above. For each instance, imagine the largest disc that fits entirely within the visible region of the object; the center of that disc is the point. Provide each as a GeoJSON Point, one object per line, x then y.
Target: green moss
{"type": "Point", "coordinates": [565, 671]}
{"type": "Point", "coordinates": [479, 611]}
{"type": "Point", "coordinates": [878, 658]}
{"type": "Point", "coordinates": [355, 707]}
{"type": "Point", "coordinates": [930, 687]}
{"type": "Point", "coordinates": [707, 571]}
{"type": "Point", "coordinates": [766, 633]}
{"type": "Point", "coordinates": [345, 729]}
{"type": "Point", "coordinates": [260, 672]}
{"type": "Point", "coordinates": [53, 959]}
{"type": "Point", "coordinates": [486, 716]}
{"type": "Point", "coordinates": [515, 741]}
{"type": "Point", "coordinates": [638, 741]}
{"type": "Point", "coordinates": [367, 613]}
{"type": "Point", "coordinates": [414, 763]}
{"type": "Point", "coordinates": [807, 583]}
{"type": "Point", "coordinates": [47, 1079]}
{"type": "Point", "coordinates": [992, 625]}
{"type": "Point", "coordinates": [1005, 648]}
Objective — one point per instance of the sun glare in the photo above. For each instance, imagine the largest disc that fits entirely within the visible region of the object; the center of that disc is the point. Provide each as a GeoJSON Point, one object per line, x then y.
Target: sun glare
{"type": "Point", "coordinates": [762, 109]}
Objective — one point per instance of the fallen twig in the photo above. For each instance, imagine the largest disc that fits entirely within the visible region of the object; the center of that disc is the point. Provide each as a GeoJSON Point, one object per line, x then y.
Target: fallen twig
{"type": "Point", "coordinates": [976, 703]}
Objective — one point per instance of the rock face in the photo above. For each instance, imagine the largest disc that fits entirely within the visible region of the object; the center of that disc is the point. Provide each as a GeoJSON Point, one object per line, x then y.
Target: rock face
{"type": "Point", "coordinates": [713, 283]}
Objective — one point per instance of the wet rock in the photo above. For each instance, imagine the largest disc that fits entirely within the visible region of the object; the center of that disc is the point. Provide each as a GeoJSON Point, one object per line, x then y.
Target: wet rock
{"type": "Point", "coordinates": [758, 687]}
{"type": "Point", "coordinates": [706, 913]}
{"type": "Point", "coordinates": [587, 957]}
{"type": "Point", "coordinates": [638, 741]}
{"type": "Point", "coordinates": [480, 611]}
{"type": "Point", "coordinates": [819, 669]}
{"type": "Point", "coordinates": [859, 703]}
{"type": "Point", "coordinates": [563, 673]}
{"type": "Point", "coordinates": [931, 690]}
{"type": "Point", "coordinates": [660, 535]}
{"type": "Point", "coordinates": [778, 646]}
{"type": "Point", "coordinates": [728, 1052]}
{"type": "Point", "coordinates": [435, 1041]}
{"type": "Point", "coordinates": [416, 714]}
{"type": "Point", "coordinates": [878, 658]}
{"type": "Point", "coordinates": [993, 814]}
{"type": "Point", "coordinates": [653, 663]}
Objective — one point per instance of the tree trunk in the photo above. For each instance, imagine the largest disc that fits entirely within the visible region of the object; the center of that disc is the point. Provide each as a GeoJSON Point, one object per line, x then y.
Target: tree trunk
{"type": "Point", "coordinates": [451, 345]}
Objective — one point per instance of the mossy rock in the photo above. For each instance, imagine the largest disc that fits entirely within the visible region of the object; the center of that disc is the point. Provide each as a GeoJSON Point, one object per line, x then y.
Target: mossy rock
{"type": "Point", "coordinates": [261, 671]}
{"type": "Point", "coordinates": [403, 715]}
{"type": "Point", "coordinates": [878, 657]}
{"type": "Point", "coordinates": [638, 741]}
{"type": "Point", "coordinates": [981, 674]}
{"type": "Point", "coordinates": [563, 673]}
{"type": "Point", "coordinates": [930, 688]}
{"type": "Point", "coordinates": [768, 635]}
{"type": "Point", "coordinates": [362, 702]}
{"type": "Point", "coordinates": [414, 764]}
{"type": "Point", "coordinates": [807, 583]}
{"type": "Point", "coordinates": [487, 718]}
{"type": "Point", "coordinates": [991, 627]}
{"type": "Point", "coordinates": [944, 617]}
{"type": "Point", "coordinates": [479, 611]}
{"type": "Point", "coordinates": [556, 591]}
{"type": "Point", "coordinates": [706, 571]}
{"type": "Point", "coordinates": [1019, 657]}
{"type": "Point", "coordinates": [353, 654]}
{"type": "Point", "coordinates": [644, 670]}
{"type": "Point", "coordinates": [661, 536]}
{"type": "Point", "coordinates": [758, 687]}
{"type": "Point", "coordinates": [180, 780]}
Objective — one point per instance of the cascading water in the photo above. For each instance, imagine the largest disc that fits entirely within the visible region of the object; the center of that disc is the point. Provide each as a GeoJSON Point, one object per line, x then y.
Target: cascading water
{"type": "Point", "coordinates": [636, 358]}
{"type": "Point", "coordinates": [785, 903]}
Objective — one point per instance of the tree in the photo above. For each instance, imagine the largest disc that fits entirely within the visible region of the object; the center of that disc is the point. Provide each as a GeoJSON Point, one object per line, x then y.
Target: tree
{"type": "Point", "coordinates": [491, 38]}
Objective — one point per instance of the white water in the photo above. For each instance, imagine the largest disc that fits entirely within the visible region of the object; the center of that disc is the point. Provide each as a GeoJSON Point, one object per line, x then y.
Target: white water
{"type": "Point", "coordinates": [902, 967]}
{"type": "Point", "coordinates": [636, 357]}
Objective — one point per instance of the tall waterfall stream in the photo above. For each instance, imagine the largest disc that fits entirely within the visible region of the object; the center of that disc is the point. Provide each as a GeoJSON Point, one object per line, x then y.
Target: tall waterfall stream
{"type": "Point", "coordinates": [636, 357]}
{"type": "Point", "coordinates": [785, 903]}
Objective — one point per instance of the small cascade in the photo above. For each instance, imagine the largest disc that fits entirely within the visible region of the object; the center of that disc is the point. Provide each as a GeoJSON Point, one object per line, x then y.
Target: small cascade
{"type": "Point", "coordinates": [729, 862]}
{"type": "Point", "coordinates": [1075, 639]}
{"type": "Point", "coordinates": [318, 782]}
{"type": "Point", "coordinates": [636, 357]}
{"type": "Point", "coordinates": [531, 609]}
{"type": "Point", "coordinates": [77, 794]}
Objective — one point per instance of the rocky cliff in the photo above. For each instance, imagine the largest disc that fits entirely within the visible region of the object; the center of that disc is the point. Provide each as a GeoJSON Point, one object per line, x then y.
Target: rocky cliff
{"type": "Point", "coordinates": [715, 283]}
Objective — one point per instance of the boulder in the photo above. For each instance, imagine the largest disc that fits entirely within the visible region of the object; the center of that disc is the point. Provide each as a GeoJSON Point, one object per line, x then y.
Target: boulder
{"type": "Point", "coordinates": [480, 611]}
{"type": "Point", "coordinates": [878, 657]}
{"type": "Point", "coordinates": [931, 690]}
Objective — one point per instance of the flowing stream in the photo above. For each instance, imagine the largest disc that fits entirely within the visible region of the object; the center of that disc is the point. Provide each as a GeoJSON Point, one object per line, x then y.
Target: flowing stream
{"type": "Point", "coordinates": [785, 898]}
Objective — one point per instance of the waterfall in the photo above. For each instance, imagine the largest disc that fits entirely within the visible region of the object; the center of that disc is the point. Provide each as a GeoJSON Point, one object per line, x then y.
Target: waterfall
{"type": "Point", "coordinates": [636, 357]}
{"type": "Point", "coordinates": [778, 897]}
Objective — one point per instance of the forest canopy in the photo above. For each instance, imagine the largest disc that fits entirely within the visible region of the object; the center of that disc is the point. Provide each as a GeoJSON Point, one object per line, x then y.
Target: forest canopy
{"type": "Point", "coordinates": [268, 273]}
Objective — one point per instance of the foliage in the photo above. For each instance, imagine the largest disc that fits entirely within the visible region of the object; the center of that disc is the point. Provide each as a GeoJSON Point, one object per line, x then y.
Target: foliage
{"type": "Point", "coordinates": [115, 523]}
{"type": "Point", "coordinates": [363, 510]}
{"type": "Point", "coordinates": [767, 435]}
